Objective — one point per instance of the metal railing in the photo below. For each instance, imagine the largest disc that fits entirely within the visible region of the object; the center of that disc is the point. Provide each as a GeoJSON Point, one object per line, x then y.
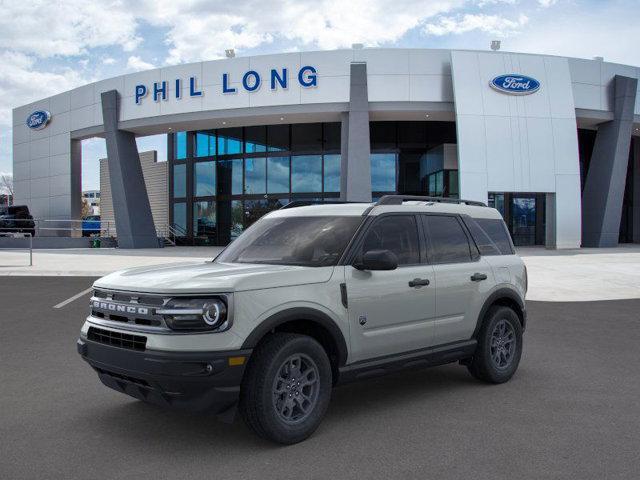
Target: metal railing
{"type": "Point", "coordinates": [171, 233]}
{"type": "Point", "coordinates": [53, 228]}
{"type": "Point", "coordinates": [20, 235]}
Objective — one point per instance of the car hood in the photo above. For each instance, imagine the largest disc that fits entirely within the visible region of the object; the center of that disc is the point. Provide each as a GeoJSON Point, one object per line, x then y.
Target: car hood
{"type": "Point", "coordinates": [211, 277]}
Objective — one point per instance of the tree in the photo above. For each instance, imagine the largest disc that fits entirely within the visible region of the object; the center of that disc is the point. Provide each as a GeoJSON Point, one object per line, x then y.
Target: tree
{"type": "Point", "coordinates": [86, 208]}
{"type": "Point", "coordinates": [6, 183]}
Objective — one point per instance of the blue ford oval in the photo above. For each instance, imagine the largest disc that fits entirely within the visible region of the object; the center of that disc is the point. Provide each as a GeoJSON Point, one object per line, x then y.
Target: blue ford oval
{"type": "Point", "coordinates": [38, 119]}
{"type": "Point", "coordinates": [515, 84]}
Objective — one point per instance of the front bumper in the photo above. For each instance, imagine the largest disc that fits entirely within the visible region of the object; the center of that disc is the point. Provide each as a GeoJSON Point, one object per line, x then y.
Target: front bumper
{"type": "Point", "coordinates": [196, 381]}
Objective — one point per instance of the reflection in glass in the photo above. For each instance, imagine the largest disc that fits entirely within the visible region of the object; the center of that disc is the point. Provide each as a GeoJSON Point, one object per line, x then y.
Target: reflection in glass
{"type": "Point", "coordinates": [255, 139]}
{"type": "Point", "coordinates": [237, 218]}
{"type": "Point", "coordinates": [180, 146]}
{"type": "Point", "coordinates": [180, 180]}
{"type": "Point", "coordinates": [253, 210]}
{"type": "Point", "coordinates": [230, 177]}
{"type": "Point", "coordinates": [180, 217]}
{"type": "Point", "coordinates": [332, 173]}
{"type": "Point", "coordinates": [383, 172]}
{"type": "Point", "coordinates": [306, 173]}
{"type": "Point", "coordinates": [255, 175]}
{"type": "Point", "coordinates": [204, 219]}
{"type": "Point", "coordinates": [278, 175]}
{"type": "Point", "coordinates": [229, 141]}
{"type": "Point", "coordinates": [204, 179]}
{"type": "Point", "coordinates": [205, 144]}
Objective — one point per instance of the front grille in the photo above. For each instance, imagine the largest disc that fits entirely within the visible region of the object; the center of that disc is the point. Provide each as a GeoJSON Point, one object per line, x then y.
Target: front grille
{"type": "Point", "coordinates": [117, 339]}
{"type": "Point", "coordinates": [131, 308]}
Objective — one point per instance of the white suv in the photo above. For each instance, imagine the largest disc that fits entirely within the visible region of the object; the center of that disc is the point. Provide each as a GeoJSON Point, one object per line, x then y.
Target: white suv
{"type": "Point", "coordinates": [308, 297]}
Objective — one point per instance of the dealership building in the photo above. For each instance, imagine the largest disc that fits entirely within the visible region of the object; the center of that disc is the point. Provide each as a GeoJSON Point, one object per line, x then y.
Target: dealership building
{"type": "Point", "coordinates": [551, 142]}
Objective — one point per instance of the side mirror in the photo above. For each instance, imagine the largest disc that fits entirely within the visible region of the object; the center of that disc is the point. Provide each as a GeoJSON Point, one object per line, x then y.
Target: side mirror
{"type": "Point", "coordinates": [377, 260]}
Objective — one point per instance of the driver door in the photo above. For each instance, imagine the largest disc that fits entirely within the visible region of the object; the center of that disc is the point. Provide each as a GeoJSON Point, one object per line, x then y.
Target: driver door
{"type": "Point", "coordinates": [387, 315]}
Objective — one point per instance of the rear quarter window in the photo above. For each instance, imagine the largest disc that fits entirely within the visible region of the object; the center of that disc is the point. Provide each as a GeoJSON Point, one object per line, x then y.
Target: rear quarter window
{"type": "Point", "coordinates": [491, 236]}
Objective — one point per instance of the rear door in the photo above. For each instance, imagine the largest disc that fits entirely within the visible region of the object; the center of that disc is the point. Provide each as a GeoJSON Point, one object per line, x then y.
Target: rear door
{"type": "Point", "coordinates": [391, 311]}
{"type": "Point", "coordinates": [462, 277]}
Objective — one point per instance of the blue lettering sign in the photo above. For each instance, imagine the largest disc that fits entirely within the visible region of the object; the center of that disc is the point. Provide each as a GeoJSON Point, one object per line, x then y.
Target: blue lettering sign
{"type": "Point", "coordinates": [251, 86]}
{"type": "Point", "coordinates": [192, 88]}
{"type": "Point", "coordinates": [157, 90]}
{"type": "Point", "coordinates": [310, 80]}
{"type": "Point", "coordinates": [275, 77]}
{"type": "Point", "coordinates": [141, 92]}
{"type": "Point", "coordinates": [225, 84]}
{"type": "Point", "coordinates": [515, 84]}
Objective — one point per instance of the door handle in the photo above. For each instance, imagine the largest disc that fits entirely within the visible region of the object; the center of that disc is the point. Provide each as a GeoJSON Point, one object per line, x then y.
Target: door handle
{"type": "Point", "coordinates": [477, 277]}
{"type": "Point", "coordinates": [419, 282]}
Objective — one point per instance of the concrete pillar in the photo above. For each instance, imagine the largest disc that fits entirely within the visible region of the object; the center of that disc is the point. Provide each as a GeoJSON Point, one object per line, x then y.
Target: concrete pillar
{"type": "Point", "coordinates": [604, 187]}
{"type": "Point", "coordinates": [550, 227]}
{"type": "Point", "coordinates": [131, 208]}
{"type": "Point", "coordinates": [355, 177]}
{"type": "Point", "coordinates": [636, 190]}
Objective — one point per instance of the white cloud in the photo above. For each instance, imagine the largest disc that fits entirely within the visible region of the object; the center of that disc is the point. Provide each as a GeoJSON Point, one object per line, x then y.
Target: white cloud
{"type": "Point", "coordinates": [46, 28]}
{"type": "Point", "coordinates": [547, 3]}
{"type": "Point", "coordinates": [491, 24]}
{"type": "Point", "coordinates": [136, 63]}
{"type": "Point", "coordinates": [108, 61]}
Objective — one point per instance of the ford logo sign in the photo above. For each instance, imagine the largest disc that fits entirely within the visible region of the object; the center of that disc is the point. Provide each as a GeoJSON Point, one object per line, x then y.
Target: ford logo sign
{"type": "Point", "coordinates": [515, 84]}
{"type": "Point", "coordinates": [38, 119]}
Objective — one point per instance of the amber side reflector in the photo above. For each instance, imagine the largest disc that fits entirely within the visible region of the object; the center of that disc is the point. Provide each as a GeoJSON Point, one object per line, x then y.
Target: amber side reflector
{"type": "Point", "coordinates": [236, 361]}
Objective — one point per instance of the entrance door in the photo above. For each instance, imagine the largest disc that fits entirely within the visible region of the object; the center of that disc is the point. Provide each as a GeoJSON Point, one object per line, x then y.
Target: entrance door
{"type": "Point", "coordinates": [523, 219]}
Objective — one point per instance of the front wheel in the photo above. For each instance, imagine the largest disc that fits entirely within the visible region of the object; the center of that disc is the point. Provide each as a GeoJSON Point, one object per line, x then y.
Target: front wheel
{"type": "Point", "coordinates": [499, 347]}
{"type": "Point", "coordinates": [287, 388]}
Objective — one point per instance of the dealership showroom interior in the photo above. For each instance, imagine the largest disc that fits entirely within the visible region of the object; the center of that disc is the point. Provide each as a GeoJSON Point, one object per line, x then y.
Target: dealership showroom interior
{"type": "Point", "coordinates": [148, 149]}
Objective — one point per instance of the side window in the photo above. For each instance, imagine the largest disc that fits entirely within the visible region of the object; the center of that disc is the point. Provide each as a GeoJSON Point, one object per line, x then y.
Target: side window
{"type": "Point", "coordinates": [396, 233]}
{"type": "Point", "coordinates": [496, 230]}
{"type": "Point", "coordinates": [448, 241]}
{"type": "Point", "coordinates": [484, 243]}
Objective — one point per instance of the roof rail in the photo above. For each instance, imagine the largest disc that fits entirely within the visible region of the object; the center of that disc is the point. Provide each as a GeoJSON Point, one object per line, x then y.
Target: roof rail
{"type": "Point", "coordinates": [306, 203]}
{"type": "Point", "coordinates": [399, 199]}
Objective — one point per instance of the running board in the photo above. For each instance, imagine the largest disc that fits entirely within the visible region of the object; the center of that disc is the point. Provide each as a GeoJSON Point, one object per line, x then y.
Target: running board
{"type": "Point", "coordinates": [428, 357]}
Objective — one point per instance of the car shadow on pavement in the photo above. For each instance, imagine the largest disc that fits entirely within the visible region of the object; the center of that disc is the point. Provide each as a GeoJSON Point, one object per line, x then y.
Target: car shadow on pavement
{"type": "Point", "coordinates": [133, 421]}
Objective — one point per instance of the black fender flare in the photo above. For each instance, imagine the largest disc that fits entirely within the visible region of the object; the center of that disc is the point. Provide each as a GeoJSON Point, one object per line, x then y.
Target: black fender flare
{"type": "Point", "coordinates": [499, 295]}
{"type": "Point", "coordinates": [300, 313]}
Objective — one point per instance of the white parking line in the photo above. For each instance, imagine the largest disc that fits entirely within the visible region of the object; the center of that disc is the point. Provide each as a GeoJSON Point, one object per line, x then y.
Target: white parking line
{"type": "Point", "coordinates": [75, 297]}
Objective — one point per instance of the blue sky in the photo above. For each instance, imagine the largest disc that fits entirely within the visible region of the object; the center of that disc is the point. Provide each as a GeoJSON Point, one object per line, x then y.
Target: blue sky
{"type": "Point", "coordinates": [50, 47]}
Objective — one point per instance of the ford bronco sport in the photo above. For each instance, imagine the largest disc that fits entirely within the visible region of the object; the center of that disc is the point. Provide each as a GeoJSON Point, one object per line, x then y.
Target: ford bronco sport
{"type": "Point", "coordinates": [309, 297]}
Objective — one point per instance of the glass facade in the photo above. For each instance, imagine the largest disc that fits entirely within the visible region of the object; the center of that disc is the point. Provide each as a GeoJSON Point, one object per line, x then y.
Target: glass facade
{"type": "Point", "coordinates": [224, 180]}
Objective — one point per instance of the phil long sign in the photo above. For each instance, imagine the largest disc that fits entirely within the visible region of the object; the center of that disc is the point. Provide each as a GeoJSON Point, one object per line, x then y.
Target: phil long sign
{"type": "Point", "coordinates": [515, 84]}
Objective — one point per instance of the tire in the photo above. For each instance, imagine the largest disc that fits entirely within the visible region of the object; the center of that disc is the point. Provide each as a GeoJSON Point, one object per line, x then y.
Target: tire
{"type": "Point", "coordinates": [276, 405]}
{"type": "Point", "coordinates": [496, 358]}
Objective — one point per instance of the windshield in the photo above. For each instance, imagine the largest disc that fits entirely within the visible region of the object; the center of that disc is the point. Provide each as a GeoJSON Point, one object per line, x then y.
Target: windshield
{"type": "Point", "coordinates": [304, 241]}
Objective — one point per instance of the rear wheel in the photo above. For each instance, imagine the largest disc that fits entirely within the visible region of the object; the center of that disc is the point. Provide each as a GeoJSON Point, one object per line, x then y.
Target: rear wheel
{"type": "Point", "coordinates": [287, 388]}
{"type": "Point", "coordinates": [499, 346]}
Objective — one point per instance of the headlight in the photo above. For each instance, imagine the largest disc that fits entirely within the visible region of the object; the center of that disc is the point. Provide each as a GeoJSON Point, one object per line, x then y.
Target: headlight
{"type": "Point", "coordinates": [196, 314]}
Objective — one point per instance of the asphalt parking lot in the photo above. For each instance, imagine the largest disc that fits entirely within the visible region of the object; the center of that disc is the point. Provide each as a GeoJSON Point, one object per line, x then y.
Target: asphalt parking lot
{"type": "Point", "coordinates": [571, 411]}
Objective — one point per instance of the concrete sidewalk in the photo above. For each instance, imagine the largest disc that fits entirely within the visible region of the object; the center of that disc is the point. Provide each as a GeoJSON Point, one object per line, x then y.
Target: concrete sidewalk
{"type": "Point", "coordinates": [554, 275]}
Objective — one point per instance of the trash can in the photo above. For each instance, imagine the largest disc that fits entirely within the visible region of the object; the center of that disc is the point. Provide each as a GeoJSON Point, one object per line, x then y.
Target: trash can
{"type": "Point", "coordinates": [95, 243]}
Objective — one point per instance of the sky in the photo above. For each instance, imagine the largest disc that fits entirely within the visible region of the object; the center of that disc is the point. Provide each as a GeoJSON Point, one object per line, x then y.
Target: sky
{"type": "Point", "coordinates": [48, 47]}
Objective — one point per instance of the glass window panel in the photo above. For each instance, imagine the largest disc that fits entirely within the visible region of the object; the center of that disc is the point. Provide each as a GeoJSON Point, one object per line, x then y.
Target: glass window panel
{"type": "Point", "coordinates": [453, 183]}
{"type": "Point", "coordinates": [204, 179]}
{"type": "Point", "coordinates": [278, 138]}
{"type": "Point", "coordinates": [180, 218]}
{"type": "Point", "coordinates": [412, 134]}
{"type": "Point", "coordinates": [205, 144]}
{"type": "Point", "coordinates": [180, 146]}
{"type": "Point", "coordinates": [237, 219]}
{"type": "Point", "coordinates": [449, 243]}
{"type": "Point", "coordinates": [497, 232]}
{"type": "Point", "coordinates": [306, 137]}
{"type": "Point", "coordinates": [230, 177]}
{"type": "Point", "coordinates": [204, 219]}
{"type": "Point", "coordinates": [255, 175]}
{"type": "Point", "coordinates": [383, 172]}
{"type": "Point", "coordinates": [306, 173]}
{"type": "Point", "coordinates": [383, 135]}
{"type": "Point", "coordinates": [255, 139]}
{"type": "Point", "coordinates": [332, 136]}
{"type": "Point", "coordinates": [396, 233]}
{"type": "Point", "coordinates": [230, 141]}
{"type": "Point", "coordinates": [332, 173]}
{"type": "Point", "coordinates": [179, 180]}
{"type": "Point", "coordinates": [253, 210]}
{"type": "Point", "coordinates": [278, 175]}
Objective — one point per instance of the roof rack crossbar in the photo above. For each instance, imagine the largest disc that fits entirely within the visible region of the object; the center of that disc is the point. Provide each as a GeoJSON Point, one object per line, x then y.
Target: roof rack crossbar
{"type": "Point", "coordinates": [399, 199]}
{"type": "Point", "coordinates": [306, 203]}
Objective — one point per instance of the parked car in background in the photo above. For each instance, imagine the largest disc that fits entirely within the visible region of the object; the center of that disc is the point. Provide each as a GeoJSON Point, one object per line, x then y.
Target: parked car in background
{"type": "Point", "coordinates": [91, 225]}
{"type": "Point", "coordinates": [17, 219]}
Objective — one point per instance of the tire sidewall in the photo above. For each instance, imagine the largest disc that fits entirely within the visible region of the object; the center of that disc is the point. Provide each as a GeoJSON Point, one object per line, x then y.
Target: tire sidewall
{"type": "Point", "coordinates": [271, 419]}
{"type": "Point", "coordinates": [496, 374]}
